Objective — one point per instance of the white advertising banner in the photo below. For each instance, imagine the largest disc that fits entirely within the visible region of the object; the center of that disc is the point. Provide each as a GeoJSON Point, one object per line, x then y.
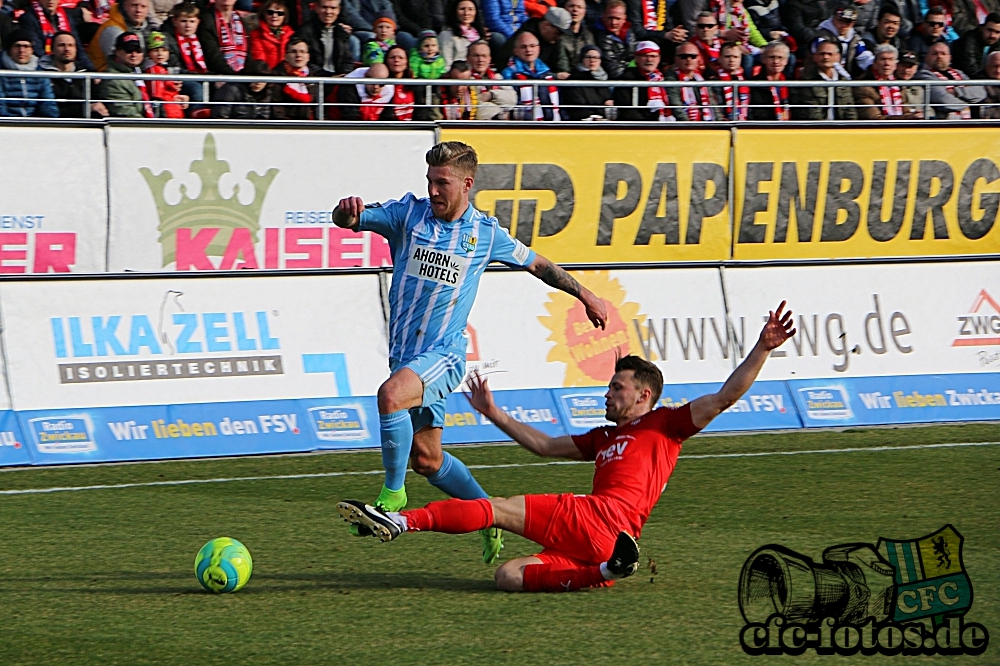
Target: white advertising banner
{"type": "Point", "coordinates": [853, 321]}
{"type": "Point", "coordinates": [53, 200]}
{"type": "Point", "coordinates": [98, 343]}
{"type": "Point", "coordinates": [526, 335]}
{"type": "Point", "coordinates": [221, 199]}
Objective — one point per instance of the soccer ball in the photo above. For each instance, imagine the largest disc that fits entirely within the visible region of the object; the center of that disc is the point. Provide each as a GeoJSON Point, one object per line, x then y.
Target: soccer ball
{"type": "Point", "coordinates": [223, 565]}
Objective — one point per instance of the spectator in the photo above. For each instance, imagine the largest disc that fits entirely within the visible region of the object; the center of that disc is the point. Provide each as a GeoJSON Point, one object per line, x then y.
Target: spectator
{"type": "Point", "coordinates": [171, 102]}
{"type": "Point", "coordinates": [913, 96]}
{"type": "Point", "coordinates": [839, 30]}
{"type": "Point", "coordinates": [64, 59]}
{"type": "Point", "coordinates": [651, 20]}
{"type": "Point", "coordinates": [910, 14]}
{"type": "Point", "coordinates": [694, 103]}
{"type": "Point", "coordinates": [579, 35]}
{"type": "Point", "coordinates": [366, 101]}
{"type": "Point", "coordinates": [455, 102]}
{"type": "Point", "coordinates": [495, 102]}
{"type": "Point", "coordinates": [403, 100]}
{"type": "Point", "coordinates": [368, 11]}
{"type": "Point", "coordinates": [295, 101]}
{"type": "Point", "coordinates": [44, 18]}
{"type": "Point", "coordinates": [538, 102]}
{"type": "Point", "coordinates": [426, 60]}
{"type": "Point", "coordinates": [948, 102]}
{"type": "Point", "coordinates": [886, 30]}
{"type": "Point", "coordinates": [706, 38]}
{"type": "Point", "coordinates": [991, 70]}
{"type": "Point", "coordinates": [246, 101]}
{"type": "Point", "coordinates": [615, 39]}
{"type": "Point", "coordinates": [971, 50]}
{"type": "Point", "coordinates": [130, 15]}
{"type": "Point", "coordinates": [464, 26]}
{"type": "Point", "coordinates": [771, 103]}
{"type": "Point", "coordinates": [415, 16]}
{"type": "Point", "coordinates": [269, 39]}
{"type": "Point", "coordinates": [590, 103]}
{"type": "Point", "coordinates": [385, 38]}
{"type": "Point", "coordinates": [814, 103]}
{"type": "Point", "coordinates": [735, 24]}
{"type": "Point", "coordinates": [928, 32]}
{"type": "Point", "coordinates": [883, 101]}
{"type": "Point", "coordinates": [965, 15]}
{"type": "Point", "coordinates": [504, 16]}
{"type": "Point", "coordinates": [24, 97]}
{"type": "Point", "coordinates": [126, 99]}
{"type": "Point", "coordinates": [766, 16]}
{"type": "Point", "coordinates": [186, 53]}
{"type": "Point", "coordinates": [332, 47]}
{"type": "Point", "coordinates": [643, 104]}
{"type": "Point", "coordinates": [736, 104]}
{"type": "Point", "coordinates": [550, 30]}
{"type": "Point", "coordinates": [802, 18]}
{"type": "Point", "coordinates": [223, 37]}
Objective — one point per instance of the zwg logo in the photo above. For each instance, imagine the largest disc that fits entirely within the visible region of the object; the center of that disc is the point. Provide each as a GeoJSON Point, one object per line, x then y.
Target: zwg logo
{"type": "Point", "coordinates": [897, 597]}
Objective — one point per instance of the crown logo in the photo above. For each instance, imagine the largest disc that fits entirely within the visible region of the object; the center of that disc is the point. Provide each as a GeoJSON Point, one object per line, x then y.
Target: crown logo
{"type": "Point", "coordinates": [210, 209]}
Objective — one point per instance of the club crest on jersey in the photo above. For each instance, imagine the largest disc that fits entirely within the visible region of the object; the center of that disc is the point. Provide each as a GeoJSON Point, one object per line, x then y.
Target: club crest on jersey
{"type": "Point", "coordinates": [469, 242]}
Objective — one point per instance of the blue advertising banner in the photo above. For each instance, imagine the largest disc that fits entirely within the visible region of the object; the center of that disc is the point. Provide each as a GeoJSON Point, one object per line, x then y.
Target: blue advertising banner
{"type": "Point", "coordinates": [897, 399]}
{"type": "Point", "coordinates": [766, 406]}
{"type": "Point", "coordinates": [197, 430]}
{"type": "Point", "coordinates": [13, 450]}
{"type": "Point", "coordinates": [464, 425]}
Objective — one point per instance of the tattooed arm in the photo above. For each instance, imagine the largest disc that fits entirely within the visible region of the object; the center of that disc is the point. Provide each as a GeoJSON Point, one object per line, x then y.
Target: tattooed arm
{"type": "Point", "coordinates": [556, 277]}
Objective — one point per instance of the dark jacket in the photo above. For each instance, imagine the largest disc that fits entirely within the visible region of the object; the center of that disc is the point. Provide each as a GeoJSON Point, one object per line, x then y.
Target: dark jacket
{"type": "Point", "coordinates": [312, 32]}
{"type": "Point", "coordinates": [762, 100]}
{"type": "Point", "coordinates": [557, 56]}
{"type": "Point", "coordinates": [29, 21]}
{"type": "Point", "coordinates": [591, 99]}
{"type": "Point", "coordinates": [36, 93]}
{"type": "Point", "coordinates": [963, 19]}
{"type": "Point", "coordinates": [812, 103]}
{"type": "Point", "coordinates": [67, 89]}
{"type": "Point", "coordinates": [871, 41]}
{"type": "Point", "coordinates": [616, 53]}
{"type": "Point", "coordinates": [969, 53]}
{"type": "Point", "coordinates": [573, 43]}
{"type": "Point", "coordinates": [237, 101]}
{"type": "Point", "coordinates": [802, 19]}
{"type": "Point", "coordinates": [766, 15]}
{"type": "Point", "coordinates": [920, 43]}
{"type": "Point", "coordinates": [209, 38]}
{"type": "Point", "coordinates": [295, 109]}
{"type": "Point", "coordinates": [623, 98]}
{"type": "Point", "coordinates": [412, 16]}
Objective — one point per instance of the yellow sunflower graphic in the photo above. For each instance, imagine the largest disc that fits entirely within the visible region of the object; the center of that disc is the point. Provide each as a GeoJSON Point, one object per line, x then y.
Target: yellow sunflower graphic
{"type": "Point", "coordinates": [590, 353]}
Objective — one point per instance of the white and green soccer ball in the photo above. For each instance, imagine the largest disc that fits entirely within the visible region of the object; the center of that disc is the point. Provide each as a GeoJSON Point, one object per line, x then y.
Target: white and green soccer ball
{"type": "Point", "coordinates": [223, 565]}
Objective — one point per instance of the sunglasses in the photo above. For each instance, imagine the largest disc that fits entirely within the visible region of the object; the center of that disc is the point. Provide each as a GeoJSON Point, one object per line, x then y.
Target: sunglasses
{"type": "Point", "coordinates": [275, 12]}
{"type": "Point", "coordinates": [936, 24]}
{"type": "Point", "coordinates": [706, 26]}
{"type": "Point", "coordinates": [687, 56]}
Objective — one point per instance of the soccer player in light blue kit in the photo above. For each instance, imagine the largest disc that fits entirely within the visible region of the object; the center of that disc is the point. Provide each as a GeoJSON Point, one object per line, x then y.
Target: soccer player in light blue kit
{"type": "Point", "coordinates": [440, 247]}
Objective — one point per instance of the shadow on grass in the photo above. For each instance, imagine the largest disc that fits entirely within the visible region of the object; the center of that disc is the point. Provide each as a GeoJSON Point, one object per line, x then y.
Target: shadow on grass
{"type": "Point", "coordinates": [104, 583]}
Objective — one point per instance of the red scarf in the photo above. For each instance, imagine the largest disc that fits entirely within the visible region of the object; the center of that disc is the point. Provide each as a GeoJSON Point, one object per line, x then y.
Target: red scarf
{"type": "Point", "coordinates": [402, 102]}
{"type": "Point", "coordinates": [147, 108]}
{"type": "Point", "coordinates": [297, 92]}
{"type": "Point", "coordinates": [47, 30]}
{"type": "Point", "coordinates": [192, 55]}
{"type": "Point", "coordinates": [740, 108]}
{"type": "Point", "coordinates": [709, 51]}
{"type": "Point", "coordinates": [232, 41]}
{"type": "Point", "coordinates": [657, 97]}
{"type": "Point", "coordinates": [953, 75]}
{"type": "Point", "coordinates": [654, 15]}
{"type": "Point", "coordinates": [892, 97]}
{"type": "Point", "coordinates": [779, 95]}
{"type": "Point", "coordinates": [733, 17]}
{"type": "Point", "coordinates": [698, 105]}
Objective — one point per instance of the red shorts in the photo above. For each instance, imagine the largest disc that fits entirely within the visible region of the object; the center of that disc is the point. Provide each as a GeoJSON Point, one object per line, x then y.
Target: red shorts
{"type": "Point", "coordinates": [575, 530]}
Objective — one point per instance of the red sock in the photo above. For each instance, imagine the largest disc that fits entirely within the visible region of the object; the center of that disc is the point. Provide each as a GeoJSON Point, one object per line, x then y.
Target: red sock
{"type": "Point", "coordinates": [545, 578]}
{"type": "Point", "coordinates": [452, 516]}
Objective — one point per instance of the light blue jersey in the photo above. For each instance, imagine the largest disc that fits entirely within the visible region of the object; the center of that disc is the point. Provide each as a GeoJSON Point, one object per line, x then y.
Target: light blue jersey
{"type": "Point", "coordinates": [436, 270]}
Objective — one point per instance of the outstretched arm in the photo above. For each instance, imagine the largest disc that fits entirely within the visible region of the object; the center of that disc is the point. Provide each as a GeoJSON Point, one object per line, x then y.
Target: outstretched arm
{"type": "Point", "coordinates": [556, 277]}
{"type": "Point", "coordinates": [347, 214]}
{"type": "Point", "coordinates": [777, 329]}
{"type": "Point", "coordinates": [536, 441]}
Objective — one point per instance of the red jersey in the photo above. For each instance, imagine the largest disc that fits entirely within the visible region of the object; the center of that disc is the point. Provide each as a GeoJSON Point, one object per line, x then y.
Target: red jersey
{"type": "Point", "coordinates": [634, 461]}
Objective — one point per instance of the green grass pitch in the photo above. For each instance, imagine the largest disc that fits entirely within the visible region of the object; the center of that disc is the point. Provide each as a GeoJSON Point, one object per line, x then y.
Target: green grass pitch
{"type": "Point", "coordinates": [105, 576]}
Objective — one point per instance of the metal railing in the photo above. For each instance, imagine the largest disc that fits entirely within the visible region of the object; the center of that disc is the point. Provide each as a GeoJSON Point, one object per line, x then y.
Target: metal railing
{"type": "Point", "coordinates": [424, 90]}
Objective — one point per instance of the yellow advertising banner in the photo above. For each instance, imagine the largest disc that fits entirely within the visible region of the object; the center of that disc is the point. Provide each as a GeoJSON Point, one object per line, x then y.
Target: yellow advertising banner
{"type": "Point", "coordinates": [830, 193]}
{"type": "Point", "coordinates": [603, 196]}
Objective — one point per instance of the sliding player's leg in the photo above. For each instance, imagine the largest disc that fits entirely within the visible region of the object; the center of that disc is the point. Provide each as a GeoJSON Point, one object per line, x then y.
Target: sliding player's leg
{"type": "Point", "coordinates": [553, 571]}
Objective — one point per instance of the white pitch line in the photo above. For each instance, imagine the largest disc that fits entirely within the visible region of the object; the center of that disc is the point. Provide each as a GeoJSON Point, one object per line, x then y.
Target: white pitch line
{"type": "Point", "coordinates": [321, 475]}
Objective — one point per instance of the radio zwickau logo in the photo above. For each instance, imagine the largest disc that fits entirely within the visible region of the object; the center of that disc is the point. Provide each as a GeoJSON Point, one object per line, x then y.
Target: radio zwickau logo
{"type": "Point", "coordinates": [898, 597]}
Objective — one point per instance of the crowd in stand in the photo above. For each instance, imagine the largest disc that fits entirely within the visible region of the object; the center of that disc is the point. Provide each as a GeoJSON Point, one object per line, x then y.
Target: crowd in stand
{"type": "Point", "coordinates": [507, 50]}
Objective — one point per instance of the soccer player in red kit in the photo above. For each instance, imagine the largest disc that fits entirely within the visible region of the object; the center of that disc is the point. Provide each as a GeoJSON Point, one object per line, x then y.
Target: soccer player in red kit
{"type": "Point", "coordinates": [588, 540]}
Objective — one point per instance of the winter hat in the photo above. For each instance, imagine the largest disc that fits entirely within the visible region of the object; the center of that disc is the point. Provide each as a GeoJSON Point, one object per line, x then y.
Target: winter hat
{"type": "Point", "coordinates": [426, 34]}
{"type": "Point", "coordinates": [588, 48]}
{"type": "Point", "coordinates": [19, 35]}
{"type": "Point", "coordinates": [157, 40]}
{"type": "Point", "coordinates": [384, 17]}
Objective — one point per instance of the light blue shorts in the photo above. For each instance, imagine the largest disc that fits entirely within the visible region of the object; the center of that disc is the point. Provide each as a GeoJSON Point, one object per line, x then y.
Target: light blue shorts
{"type": "Point", "coordinates": [441, 373]}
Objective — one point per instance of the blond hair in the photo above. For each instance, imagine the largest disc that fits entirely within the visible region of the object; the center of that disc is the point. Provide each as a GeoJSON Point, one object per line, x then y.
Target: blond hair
{"type": "Point", "coordinates": [460, 156]}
